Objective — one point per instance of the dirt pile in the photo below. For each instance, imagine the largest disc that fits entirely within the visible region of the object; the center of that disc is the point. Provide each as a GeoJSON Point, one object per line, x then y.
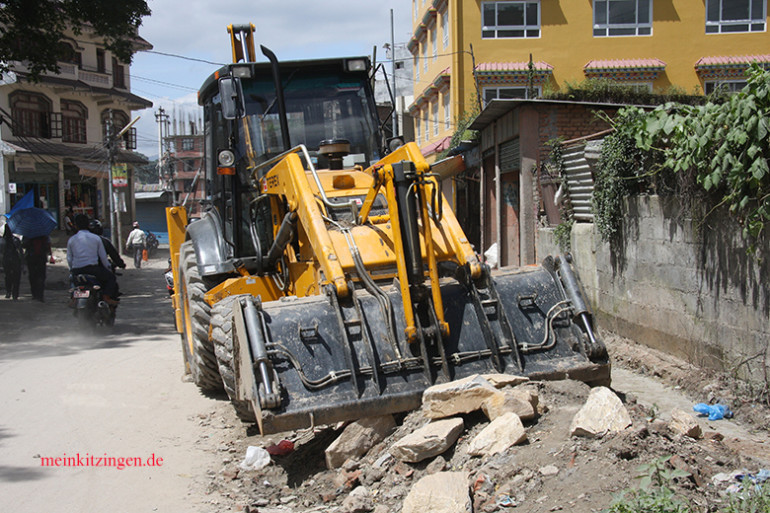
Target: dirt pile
{"type": "Point", "coordinates": [549, 470]}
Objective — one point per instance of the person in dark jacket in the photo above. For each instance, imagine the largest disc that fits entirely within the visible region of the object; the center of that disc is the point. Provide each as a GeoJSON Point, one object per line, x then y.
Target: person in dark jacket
{"type": "Point", "coordinates": [11, 263]}
{"type": "Point", "coordinates": [95, 227]}
{"type": "Point", "coordinates": [37, 251]}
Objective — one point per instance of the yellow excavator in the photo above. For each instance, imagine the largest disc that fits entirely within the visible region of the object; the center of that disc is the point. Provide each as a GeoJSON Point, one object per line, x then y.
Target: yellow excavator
{"type": "Point", "coordinates": [328, 279]}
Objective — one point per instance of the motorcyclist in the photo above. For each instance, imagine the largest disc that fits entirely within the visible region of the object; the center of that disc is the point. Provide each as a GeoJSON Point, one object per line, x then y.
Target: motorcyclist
{"type": "Point", "coordinates": [95, 227]}
{"type": "Point", "coordinates": [86, 255]}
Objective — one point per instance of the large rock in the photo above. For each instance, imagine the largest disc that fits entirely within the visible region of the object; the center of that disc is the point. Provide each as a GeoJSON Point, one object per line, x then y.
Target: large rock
{"type": "Point", "coordinates": [357, 438]}
{"type": "Point", "coordinates": [358, 501]}
{"type": "Point", "coordinates": [504, 380]}
{"type": "Point", "coordinates": [521, 401]}
{"type": "Point", "coordinates": [503, 432]}
{"type": "Point", "coordinates": [684, 424]}
{"type": "Point", "coordinates": [445, 492]}
{"type": "Point", "coordinates": [602, 413]}
{"type": "Point", "coordinates": [430, 440]}
{"type": "Point", "coordinates": [461, 396]}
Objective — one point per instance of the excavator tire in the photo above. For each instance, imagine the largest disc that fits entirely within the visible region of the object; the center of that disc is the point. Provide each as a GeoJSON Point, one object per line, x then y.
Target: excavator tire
{"type": "Point", "coordinates": [196, 313]}
{"type": "Point", "coordinates": [222, 339]}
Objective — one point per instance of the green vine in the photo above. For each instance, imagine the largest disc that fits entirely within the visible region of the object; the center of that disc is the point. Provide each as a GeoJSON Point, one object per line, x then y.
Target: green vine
{"type": "Point", "coordinates": [720, 149]}
{"type": "Point", "coordinates": [563, 232]}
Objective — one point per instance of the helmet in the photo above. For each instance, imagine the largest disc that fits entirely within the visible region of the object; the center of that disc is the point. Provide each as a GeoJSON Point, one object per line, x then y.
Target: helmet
{"type": "Point", "coordinates": [95, 227]}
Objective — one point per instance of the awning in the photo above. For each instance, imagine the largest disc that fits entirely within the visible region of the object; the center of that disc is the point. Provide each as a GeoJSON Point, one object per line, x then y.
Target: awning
{"type": "Point", "coordinates": [624, 69]}
{"type": "Point", "coordinates": [92, 169]}
{"type": "Point", "coordinates": [729, 66]}
{"type": "Point", "coordinates": [502, 73]}
{"type": "Point", "coordinates": [437, 146]}
{"type": "Point", "coordinates": [149, 196]}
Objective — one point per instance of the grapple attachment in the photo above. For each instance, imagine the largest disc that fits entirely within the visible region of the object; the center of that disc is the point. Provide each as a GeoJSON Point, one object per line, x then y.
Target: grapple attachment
{"type": "Point", "coordinates": [323, 359]}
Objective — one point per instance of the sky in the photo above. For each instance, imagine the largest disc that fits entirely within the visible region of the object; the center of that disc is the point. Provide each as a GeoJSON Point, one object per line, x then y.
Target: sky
{"type": "Point", "coordinates": [196, 30]}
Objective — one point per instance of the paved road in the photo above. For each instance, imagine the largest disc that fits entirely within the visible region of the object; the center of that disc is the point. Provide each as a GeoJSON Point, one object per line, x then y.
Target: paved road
{"type": "Point", "coordinates": [119, 395]}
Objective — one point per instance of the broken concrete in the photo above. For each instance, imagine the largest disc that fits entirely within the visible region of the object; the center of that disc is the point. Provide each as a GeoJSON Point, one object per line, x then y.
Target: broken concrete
{"type": "Point", "coordinates": [430, 440]}
{"type": "Point", "coordinates": [461, 396]}
{"type": "Point", "coordinates": [358, 501]}
{"type": "Point", "coordinates": [684, 424]}
{"type": "Point", "coordinates": [444, 492]}
{"type": "Point", "coordinates": [503, 432]}
{"type": "Point", "coordinates": [521, 401]}
{"type": "Point", "coordinates": [602, 413]}
{"type": "Point", "coordinates": [357, 438]}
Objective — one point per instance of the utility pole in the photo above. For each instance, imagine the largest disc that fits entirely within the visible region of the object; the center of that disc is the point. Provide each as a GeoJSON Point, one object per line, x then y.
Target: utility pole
{"type": "Point", "coordinates": [111, 152]}
{"type": "Point", "coordinates": [393, 74]}
{"type": "Point", "coordinates": [162, 119]}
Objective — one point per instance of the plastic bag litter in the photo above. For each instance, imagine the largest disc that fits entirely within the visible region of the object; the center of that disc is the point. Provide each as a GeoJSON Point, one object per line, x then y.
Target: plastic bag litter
{"type": "Point", "coordinates": [256, 458]}
{"type": "Point", "coordinates": [714, 411]}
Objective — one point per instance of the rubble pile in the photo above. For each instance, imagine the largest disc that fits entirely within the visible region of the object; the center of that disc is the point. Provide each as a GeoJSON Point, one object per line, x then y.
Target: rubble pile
{"type": "Point", "coordinates": [481, 444]}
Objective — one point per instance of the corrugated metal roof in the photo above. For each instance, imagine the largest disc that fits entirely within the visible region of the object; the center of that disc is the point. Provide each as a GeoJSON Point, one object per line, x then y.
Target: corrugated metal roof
{"type": "Point", "coordinates": [618, 64]}
{"type": "Point", "coordinates": [727, 60]}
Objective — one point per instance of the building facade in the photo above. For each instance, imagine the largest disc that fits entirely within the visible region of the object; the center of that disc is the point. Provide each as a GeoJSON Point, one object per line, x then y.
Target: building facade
{"type": "Point", "coordinates": [466, 53]}
{"type": "Point", "coordinates": [56, 133]}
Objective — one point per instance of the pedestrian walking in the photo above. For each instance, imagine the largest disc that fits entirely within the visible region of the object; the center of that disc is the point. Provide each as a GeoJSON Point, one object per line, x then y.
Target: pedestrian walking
{"type": "Point", "coordinates": [37, 251]}
{"type": "Point", "coordinates": [136, 242]}
{"type": "Point", "coordinates": [11, 263]}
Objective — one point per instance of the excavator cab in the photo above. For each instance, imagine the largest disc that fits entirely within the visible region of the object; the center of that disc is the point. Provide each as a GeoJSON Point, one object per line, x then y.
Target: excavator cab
{"type": "Point", "coordinates": [329, 279]}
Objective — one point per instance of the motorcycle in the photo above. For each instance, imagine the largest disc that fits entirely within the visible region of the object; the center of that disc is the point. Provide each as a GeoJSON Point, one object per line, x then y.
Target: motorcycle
{"type": "Point", "coordinates": [151, 242]}
{"type": "Point", "coordinates": [88, 302]}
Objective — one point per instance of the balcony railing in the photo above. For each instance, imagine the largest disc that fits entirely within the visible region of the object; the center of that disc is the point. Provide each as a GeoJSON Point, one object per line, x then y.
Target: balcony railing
{"type": "Point", "coordinates": [72, 72]}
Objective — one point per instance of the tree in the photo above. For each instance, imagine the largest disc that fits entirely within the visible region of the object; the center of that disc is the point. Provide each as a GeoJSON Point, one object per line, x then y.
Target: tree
{"type": "Point", "coordinates": [33, 30]}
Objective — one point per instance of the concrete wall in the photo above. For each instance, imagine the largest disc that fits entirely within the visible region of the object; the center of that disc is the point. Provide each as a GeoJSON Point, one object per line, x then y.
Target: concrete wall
{"type": "Point", "coordinates": [690, 290]}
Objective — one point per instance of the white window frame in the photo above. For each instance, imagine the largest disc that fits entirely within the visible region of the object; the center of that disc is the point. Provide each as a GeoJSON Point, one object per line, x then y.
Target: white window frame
{"type": "Point", "coordinates": [447, 111]}
{"type": "Point", "coordinates": [425, 57]}
{"type": "Point", "coordinates": [445, 27]}
{"type": "Point", "coordinates": [433, 42]}
{"type": "Point", "coordinates": [425, 123]}
{"type": "Point", "coordinates": [523, 31]}
{"type": "Point", "coordinates": [603, 27]}
{"type": "Point", "coordinates": [755, 20]}
{"type": "Point", "coordinates": [434, 115]}
{"type": "Point", "coordinates": [417, 127]}
{"type": "Point", "coordinates": [416, 66]}
{"type": "Point", "coordinates": [497, 90]}
{"type": "Point", "coordinates": [729, 86]}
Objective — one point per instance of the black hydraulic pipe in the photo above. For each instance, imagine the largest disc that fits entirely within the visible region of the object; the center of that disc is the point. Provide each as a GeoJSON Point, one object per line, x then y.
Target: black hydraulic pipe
{"type": "Point", "coordinates": [406, 197]}
{"type": "Point", "coordinates": [282, 239]}
{"type": "Point", "coordinates": [571, 287]}
{"type": "Point", "coordinates": [279, 96]}
{"type": "Point", "coordinates": [257, 344]}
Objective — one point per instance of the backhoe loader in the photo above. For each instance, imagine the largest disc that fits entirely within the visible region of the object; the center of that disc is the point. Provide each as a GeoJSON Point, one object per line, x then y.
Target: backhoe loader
{"type": "Point", "coordinates": [329, 280]}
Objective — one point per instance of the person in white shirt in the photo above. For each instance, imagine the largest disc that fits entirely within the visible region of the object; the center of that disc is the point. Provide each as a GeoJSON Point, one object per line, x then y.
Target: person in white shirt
{"type": "Point", "coordinates": [86, 255]}
{"type": "Point", "coordinates": [136, 241]}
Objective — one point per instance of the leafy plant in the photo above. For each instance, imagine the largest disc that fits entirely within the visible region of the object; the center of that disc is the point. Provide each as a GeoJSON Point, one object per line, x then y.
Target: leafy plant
{"type": "Point", "coordinates": [563, 234]}
{"type": "Point", "coordinates": [655, 493]}
{"type": "Point", "coordinates": [751, 499]}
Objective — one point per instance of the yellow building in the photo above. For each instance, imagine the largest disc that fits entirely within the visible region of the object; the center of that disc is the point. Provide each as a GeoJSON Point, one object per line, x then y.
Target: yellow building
{"type": "Point", "coordinates": [468, 52]}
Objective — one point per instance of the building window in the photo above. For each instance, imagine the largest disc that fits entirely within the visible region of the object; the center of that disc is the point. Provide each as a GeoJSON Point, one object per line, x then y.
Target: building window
{"type": "Point", "coordinates": [425, 125]}
{"type": "Point", "coordinates": [74, 115]}
{"type": "Point", "coordinates": [445, 28]}
{"type": "Point", "coordinates": [101, 67]}
{"type": "Point", "coordinates": [433, 44]}
{"type": "Point", "coordinates": [425, 57]}
{"type": "Point", "coordinates": [622, 18]}
{"type": "Point", "coordinates": [416, 67]}
{"type": "Point", "coordinates": [31, 113]}
{"type": "Point", "coordinates": [447, 112]}
{"type": "Point", "coordinates": [417, 127]}
{"type": "Point", "coordinates": [70, 55]}
{"type": "Point", "coordinates": [510, 19]}
{"type": "Point", "coordinates": [724, 86]}
{"type": "Point", "coordinates": [434, 114]}
{"type": "Point", "coordinates": [735, 16]}
{"type": "Point", "coordinates": [188, 144]}
{"type": "Point", "coordinates": [118, 74]}
{"type": "Point", "coordinates": [502, 93]}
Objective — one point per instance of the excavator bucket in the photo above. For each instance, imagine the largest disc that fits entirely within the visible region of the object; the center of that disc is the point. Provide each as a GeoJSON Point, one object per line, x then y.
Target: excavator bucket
{"type": "Point", "coordinates": [327, 359]}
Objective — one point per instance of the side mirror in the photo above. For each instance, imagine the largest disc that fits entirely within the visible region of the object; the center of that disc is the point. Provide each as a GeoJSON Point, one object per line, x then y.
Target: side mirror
{"type": "Point", "coordinates": [231, 94]}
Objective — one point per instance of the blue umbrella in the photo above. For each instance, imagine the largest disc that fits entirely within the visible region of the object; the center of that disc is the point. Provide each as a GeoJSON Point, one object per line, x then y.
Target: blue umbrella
{"type": "Point", "coordinates": [31, 222]}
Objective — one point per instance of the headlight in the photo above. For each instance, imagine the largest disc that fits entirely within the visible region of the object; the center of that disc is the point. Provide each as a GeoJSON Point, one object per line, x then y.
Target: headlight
{"type": "Point", "coordinates": [226, 158]}
{"type": "Point", "coordinates": [356, 65]}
